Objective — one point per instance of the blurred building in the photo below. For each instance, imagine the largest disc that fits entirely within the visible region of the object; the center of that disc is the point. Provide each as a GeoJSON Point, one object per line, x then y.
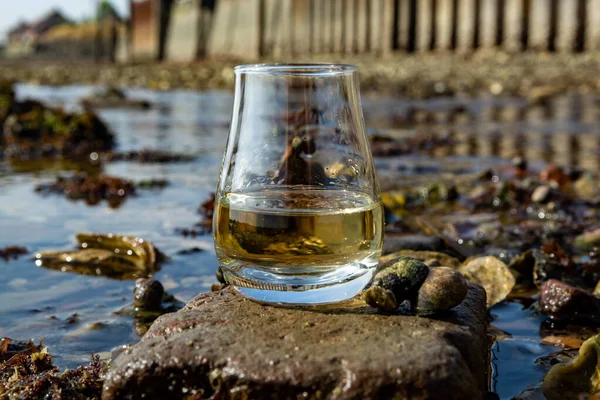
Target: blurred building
{"type": "Point", "coordinates": [22, 39]}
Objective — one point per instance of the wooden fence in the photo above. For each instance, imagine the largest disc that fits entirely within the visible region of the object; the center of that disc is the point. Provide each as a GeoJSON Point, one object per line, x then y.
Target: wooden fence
{"type": "Point", "coordinates": [255, 28]}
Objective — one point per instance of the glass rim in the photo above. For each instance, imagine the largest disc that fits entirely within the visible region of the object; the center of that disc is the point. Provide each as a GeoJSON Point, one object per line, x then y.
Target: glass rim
{"type": "Point", "coordinates": [296, 69]}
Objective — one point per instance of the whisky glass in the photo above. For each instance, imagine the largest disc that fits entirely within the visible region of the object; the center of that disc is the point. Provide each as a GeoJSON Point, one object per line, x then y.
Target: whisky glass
{"type": "Point", "coordinates": [298, 216]}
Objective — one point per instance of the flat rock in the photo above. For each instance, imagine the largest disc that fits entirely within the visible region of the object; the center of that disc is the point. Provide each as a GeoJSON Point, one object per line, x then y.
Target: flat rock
{"type": "Point", "coordinates": [225, 346]}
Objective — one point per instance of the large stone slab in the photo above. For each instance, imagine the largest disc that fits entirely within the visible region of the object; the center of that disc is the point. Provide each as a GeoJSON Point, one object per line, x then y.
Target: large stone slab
{"type": "Point", "coordinates": [221, 342]}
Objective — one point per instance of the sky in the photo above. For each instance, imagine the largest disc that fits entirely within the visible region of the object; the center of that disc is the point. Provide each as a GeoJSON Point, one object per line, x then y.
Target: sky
{"type": "Point", "coordinates": [13, 11]}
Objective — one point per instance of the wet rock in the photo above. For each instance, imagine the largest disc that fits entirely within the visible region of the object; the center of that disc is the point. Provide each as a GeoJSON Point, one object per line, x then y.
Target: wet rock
{"type": "Point", "coordinates": [430, 258]}
{"type": "Point", "coordinates": [579, 376]}
{"type": "Point", "coordinates": [523, 265]}
{"type": "Point", "coordinates": [557, 357]}
{"type": "Point", "coordinates": [12, 252]}
{"type": "Point", "coordinates": [589, 239]}
{"type": "Point", "coordinates": [394, 243]}
{"type": "Point", "coordinates": [147, 157]}
{"type": "Point", "coordinates": [541, 194]}
{"type": "Point", "coordinates": [492, 274]}
{"type": "Point", "coordinates": [554, 173]}
{"type": "Point", "coordinates": [152, 184]}
{"type": "Point", "coordinates": [567, 303]}
{"type": "Point", "coordinates": [402, 277]}
{"type": "Point", "coordinates": [394, 202]}
{"type": "Point", "coordinates": [442, 290]}
{"type": "Point", "coordinates": [533, 392]}
{"type": "Point", "coordinates": [587, 188]}
{"type": "Point", "coordinates": [537, 266]}
{"type": "Point", "coordinates": [519, 163]}
{"type": "Point", "coordinates": [148, 294]}
{"type": "Point", "coordinates": [113, 97]}
{"type": "Point", "coordinates": [305, 352]}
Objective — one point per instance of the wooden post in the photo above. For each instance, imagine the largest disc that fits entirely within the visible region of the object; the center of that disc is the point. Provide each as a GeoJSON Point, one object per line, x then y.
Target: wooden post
{"type": "Point", "coordinates": [567, 14]}
{"type": "Point", "coordinates": [338, 23]}
{"type": "Point", "coordinates": [539, 26]}
{"type": "Point", "coordinates": [403, 24]}
{"type": "Point", "coordinates": [326, 26]}
{"type": "Point", "coordinates": [487, 21]}
{"type": "Point", "coordinates": [361, 26]}
{"type": "Point", "coordinates": [423, 25]}
{"type": "Point", "coordinates": [466, 24]}
{"type": "Point", "coordinates": [348, 31]}
{"type": "Point", "coordinates": [552, 34]}
{"type": "Point", "coordinates": [444, 25]}
{"type": "Point", "coordinates": [512, 25]}
{"type": "Point", "coordinates": [386, 33]}
{"type": "Point", "coordinates": [592, 31]}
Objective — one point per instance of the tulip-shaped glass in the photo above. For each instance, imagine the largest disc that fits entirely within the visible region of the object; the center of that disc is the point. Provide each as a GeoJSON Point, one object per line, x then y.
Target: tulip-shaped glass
{"type": "Point", "coordinates": [298, 214]}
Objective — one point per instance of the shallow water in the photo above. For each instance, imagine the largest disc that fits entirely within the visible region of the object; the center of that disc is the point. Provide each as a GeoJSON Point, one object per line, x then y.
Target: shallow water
{"type": "Point", "coordinates": [37, 303]}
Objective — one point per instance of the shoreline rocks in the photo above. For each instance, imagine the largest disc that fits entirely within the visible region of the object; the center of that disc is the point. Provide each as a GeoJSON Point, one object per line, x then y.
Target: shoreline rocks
{"type": "Point", "coordinates": [225, 345]}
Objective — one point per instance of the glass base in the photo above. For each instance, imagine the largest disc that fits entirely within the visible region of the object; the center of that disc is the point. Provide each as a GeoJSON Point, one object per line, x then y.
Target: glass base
{"type": "Point", "coordinates": [292, 286]}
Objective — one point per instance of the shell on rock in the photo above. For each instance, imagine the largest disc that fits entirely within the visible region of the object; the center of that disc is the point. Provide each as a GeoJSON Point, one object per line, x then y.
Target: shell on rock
{"type": "Point", "coordinates": [148, 294]}
{"type": "Point", "coordinates": [381, 298]}
{"type": "Point", "coordinates": [492, 274]}
{"type": "Point", "coordinates": [402, 276]}
{"type": "Point", "coordinates": [442, 290]}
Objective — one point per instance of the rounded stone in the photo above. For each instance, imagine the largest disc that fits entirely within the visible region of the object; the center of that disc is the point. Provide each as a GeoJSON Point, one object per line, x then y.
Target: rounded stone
{"type": "Point", "coordinates": [442, 290]}
{"type": "Point", "coordinates": [148, 294]}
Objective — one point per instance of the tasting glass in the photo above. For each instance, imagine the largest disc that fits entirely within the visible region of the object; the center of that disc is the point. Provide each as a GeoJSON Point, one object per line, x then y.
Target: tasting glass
{"type": "Point", "coordinates": [298, 215]}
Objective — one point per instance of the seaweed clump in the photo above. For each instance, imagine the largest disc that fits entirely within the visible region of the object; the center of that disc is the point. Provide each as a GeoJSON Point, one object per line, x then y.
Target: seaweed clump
{"type": "Point", "coordinates": [32, 130]}
{"type": "Point", "coordinates": [12, 252]}
{"type": "Point", "coordinates": [91, 188]}
{"type": "Point", "coordinates": [31, 375]}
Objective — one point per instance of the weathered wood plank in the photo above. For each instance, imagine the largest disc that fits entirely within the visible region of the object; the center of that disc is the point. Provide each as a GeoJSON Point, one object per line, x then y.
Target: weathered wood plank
{"type": "Point", "coordinates": [487, 24]}
{"type": "Point", "coordinates": [375, 25]}
{"type": "Point", "coordinates": [403, 24]}
{"type": "Point", "coordinates": [423, 37]}
{"type": "Point", "coordinates": [301, 26]}
{"type": "Point", "coordinates": [539, 27]}
{"type": "Point", "coordinates": [385, 34]}
{"type": "Point", "coordinates": [466, 25]}
{"type": "Point", "coordinates": [592, 33]}
{"type": "Point", "coordinates": [512, 25]}
{"type": "Point", "coordinates": [567, 25]}
{"type": "Point", "coordinates": [338, 21]}
{"type": "Point", "coordinates": [361, 27]}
